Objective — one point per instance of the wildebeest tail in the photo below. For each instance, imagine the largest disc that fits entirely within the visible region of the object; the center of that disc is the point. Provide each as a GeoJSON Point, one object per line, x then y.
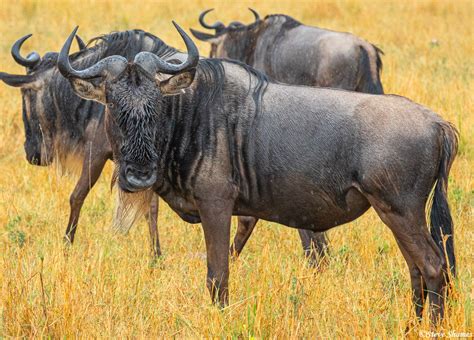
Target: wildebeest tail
{"type": "Point", "coordinates": [440, 216]}
{"type": "Point", "coordinates": [370, 67]}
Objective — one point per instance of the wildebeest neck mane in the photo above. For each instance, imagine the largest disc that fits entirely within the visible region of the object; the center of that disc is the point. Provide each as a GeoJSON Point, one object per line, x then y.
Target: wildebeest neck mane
{"type": "Point", "coordinates": [289, 21]}
{"type": "Point", "coordinates": [213, 72]}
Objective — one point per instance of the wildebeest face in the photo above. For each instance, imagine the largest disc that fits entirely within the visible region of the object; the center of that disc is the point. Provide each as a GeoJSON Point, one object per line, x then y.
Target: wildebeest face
{"type": "Point", "coordinates": [227, 42]}
{"type": "Point", "coordinates": [134, 97]}
{"type": "Point", "coordinates": [133, 104]}
{"type": "Point", "coordinates": [232, 44]}
{"type": "Point", "coordinates": [37, 111]}
{"type": "Point", "coordinates": [38, 119]}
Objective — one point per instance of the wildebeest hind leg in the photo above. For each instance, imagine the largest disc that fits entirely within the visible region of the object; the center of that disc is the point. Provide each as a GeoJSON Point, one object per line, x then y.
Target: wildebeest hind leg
{"type": "Point", "coordinates": [412, 235]}
{"type": "Point", "coordinates": [315, 245]}
{"type": "Point", "coordinates": [418, 285]}
{"type": "Point", "coordinates": [152, 219]}
{"type": "Point", "coordinates": [91, 170]}
{"type": "Point", "coordinates": [244, 230]}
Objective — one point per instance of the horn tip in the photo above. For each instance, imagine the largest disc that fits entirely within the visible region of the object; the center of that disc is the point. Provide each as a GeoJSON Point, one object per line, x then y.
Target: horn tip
{"type": "Point", "coordinates": [176, 25]}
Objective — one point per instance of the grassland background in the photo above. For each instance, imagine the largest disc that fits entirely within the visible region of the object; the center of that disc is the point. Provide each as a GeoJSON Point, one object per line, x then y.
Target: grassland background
{"type": "Point", "coordinates": [107, 286]}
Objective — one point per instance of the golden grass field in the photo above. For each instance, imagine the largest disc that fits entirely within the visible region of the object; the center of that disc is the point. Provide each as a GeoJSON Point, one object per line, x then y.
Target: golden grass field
{"type": "Point", "coordinates": [106, 286]}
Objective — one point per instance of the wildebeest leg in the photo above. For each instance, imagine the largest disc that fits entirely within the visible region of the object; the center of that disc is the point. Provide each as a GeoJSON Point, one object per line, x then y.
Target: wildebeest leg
{"type": "Point", "coordinates": [412, 234]}
{"type": "Point", "coordinates": [244, 230]}
{"type": "Point", "coordinates": [216, 217]}
{"type": "Point", "coordinates": [418, 285]}
{"type": "Point", "coordinates": [91, 170]}
{"type": "Point", "coordinates": [314, 244]}
{"type": "Point", "coordinates": [152, 218]}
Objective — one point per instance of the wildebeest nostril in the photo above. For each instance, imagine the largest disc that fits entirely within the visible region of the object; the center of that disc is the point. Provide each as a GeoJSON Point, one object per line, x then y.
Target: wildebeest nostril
{"type": "Point", "coordinates": [140, 178]}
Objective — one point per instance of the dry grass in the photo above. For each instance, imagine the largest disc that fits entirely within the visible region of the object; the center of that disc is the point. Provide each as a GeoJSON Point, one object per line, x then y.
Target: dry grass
{"type": "Point", "coordinates": [106, 286]}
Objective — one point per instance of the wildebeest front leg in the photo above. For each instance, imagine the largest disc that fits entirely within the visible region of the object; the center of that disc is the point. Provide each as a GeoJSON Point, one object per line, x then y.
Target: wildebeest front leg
{"type": "Point", "coordinates": [91, 169]}
{"type": "Point", "coordinates": [216, 217]}
{"type": "Point", "coordinates": [152, 218]}
{"type": "Point", "coordinates": [244, 230]}
{"type": "Point", "coordinates": [315, 245]}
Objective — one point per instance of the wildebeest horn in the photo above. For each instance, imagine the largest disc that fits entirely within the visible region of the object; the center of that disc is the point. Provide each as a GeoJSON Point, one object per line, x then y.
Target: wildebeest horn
{"type": "Point", "coordinates": [31, 60]}
{"type": "Point", "coordinates": [16, 80]}
{"type": "Point", "coordinates": [216, 26]}
{"type": "Point", "coordinates": [152, 63]}
{"type": "Point", "coordinates": [112, 65]}
{"type": "Point", "coordinates": [82, 45]}
{"type": "Point", "coordinates": [257, 17]}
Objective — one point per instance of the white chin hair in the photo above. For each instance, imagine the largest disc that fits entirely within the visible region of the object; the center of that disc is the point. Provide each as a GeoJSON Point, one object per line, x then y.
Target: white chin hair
{"type": "Point", "coordinates": [129, 207]}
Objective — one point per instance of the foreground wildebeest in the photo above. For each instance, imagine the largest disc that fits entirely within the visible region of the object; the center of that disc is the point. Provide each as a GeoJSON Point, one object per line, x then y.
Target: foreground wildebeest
{"type": "Point", "coordinates": [60, 124]}
{"type": "Point", "coordinates": [293, 53]}
{"type": "Point", "coordinates": [214, 138]}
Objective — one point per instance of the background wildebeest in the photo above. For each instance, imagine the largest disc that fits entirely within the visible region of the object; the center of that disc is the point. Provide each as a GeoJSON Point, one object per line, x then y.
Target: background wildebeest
{"type": "Point", "coordinates": [60, 124]}
{"type": "Point", "coordinates": [293, 53]}
{"type": "Point", "coordinates": [215, 138]}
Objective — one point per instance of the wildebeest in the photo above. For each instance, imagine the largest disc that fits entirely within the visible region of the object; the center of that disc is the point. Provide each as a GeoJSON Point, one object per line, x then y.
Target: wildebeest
{"type": "Point", "coordinates": [293, 53]}
{"type": "Point", "coordinates": [59, 124]}
{"type": "Point", "coordinates": [215, 138]}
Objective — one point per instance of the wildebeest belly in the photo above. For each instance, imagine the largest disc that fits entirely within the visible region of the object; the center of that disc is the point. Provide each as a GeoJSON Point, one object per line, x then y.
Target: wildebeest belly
{"type": "Point", "coordinates": [305, 207]}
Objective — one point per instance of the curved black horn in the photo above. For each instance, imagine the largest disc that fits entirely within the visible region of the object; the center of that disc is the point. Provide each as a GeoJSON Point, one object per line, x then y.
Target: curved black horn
{"type": "Point", "coordinates": [31, 60]}
{"type": "Point", "coordinates": [257, 17]}
{"type": "Point", "coordinates": [16, 80]}
{"type": "Point", "coordinates": [112, 65]}
{"type": "Point", "coordinates": [152, 63]}
{"type": "Point", "coordinates": [216, 26]}
{"type": "Point", "coordinates": [80, 43]}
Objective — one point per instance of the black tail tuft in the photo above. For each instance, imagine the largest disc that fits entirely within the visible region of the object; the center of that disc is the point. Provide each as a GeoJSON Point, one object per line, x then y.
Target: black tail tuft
{"type": "Point", "coordinates": [441, 221]}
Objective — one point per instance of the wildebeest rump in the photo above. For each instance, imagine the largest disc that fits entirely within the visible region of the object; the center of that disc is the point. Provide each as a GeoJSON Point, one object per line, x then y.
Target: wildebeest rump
{"type": "Point", "coordinates": [293, 53]}
{"type": "Point", "coordinates": [215, 138]}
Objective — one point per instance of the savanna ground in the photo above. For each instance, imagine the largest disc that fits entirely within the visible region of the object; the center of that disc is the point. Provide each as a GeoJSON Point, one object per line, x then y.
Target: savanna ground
{"type": "Point", "coordinates": [107, 286]}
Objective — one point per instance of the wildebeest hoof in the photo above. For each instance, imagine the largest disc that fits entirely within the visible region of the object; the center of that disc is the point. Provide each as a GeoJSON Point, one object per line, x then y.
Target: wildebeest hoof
{"type": "Point", "coordinates": [67, 241]}
{"type": "Point", "coordinates": [157, 261]}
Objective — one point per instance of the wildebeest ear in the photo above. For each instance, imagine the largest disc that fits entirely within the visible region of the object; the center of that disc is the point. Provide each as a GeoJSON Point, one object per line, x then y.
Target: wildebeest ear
{"type": "Point", "coordinates": [202, 36]}
{"type": "Point", "coordinates": [176, 83]}
{"type": "Point", "coordinates": [89, 90]}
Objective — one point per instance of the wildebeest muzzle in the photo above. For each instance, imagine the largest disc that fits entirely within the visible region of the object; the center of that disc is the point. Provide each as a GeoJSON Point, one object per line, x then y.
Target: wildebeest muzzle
{"type": "Point", "coordinates": [135, 177]}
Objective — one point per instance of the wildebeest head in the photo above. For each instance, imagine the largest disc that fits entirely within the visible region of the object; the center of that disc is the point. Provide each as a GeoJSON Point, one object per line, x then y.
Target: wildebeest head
{"type": "Point", "coordinates": [230, 41]}
{"type": "Point", "coordinates": [134, 97]}
{"type": "Point", "coordinates": [37, 119]}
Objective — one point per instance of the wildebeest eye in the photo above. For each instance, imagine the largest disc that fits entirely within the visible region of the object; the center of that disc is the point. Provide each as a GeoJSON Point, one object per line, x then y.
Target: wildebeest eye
{"type": "Point", "coordinates": [110, 105]}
